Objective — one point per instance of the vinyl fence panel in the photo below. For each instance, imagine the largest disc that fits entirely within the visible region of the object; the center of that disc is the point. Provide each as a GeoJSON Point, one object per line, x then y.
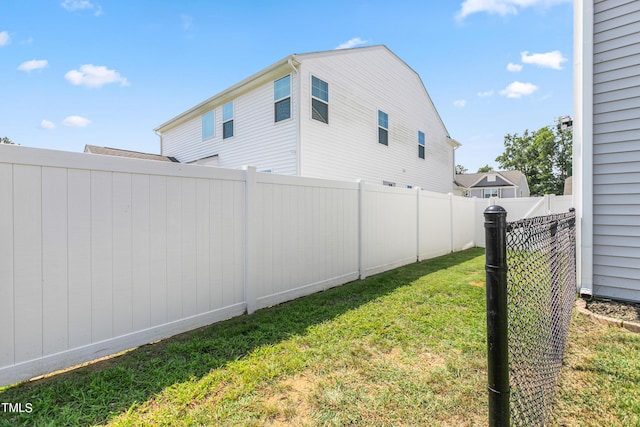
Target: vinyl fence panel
{"type": "Point", "coordinates": [464, 222]}
{"type": "Point", "coordinates": [307, 234]}
{"type": "Point", "coordinates": [389, 228]}
{"type": "Point", "coordinates": [99, 254]}
{"type": "Point", "coordinates": [435, 224]}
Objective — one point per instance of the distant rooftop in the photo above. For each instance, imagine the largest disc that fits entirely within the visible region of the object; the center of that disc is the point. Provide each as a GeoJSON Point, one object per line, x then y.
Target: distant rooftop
{"type": "Point", "coordinates": [94, 149]}
{"type": "Point", "coordinates": [468, 180]}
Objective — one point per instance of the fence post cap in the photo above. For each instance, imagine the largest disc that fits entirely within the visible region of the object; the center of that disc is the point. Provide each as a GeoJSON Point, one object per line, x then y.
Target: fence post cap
{"type": "Point", "coordinates": [495, 209]}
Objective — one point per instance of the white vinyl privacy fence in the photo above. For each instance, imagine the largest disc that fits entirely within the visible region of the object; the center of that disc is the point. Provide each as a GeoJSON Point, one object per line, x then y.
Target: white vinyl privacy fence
{"type": "Point", "coordinates": [99, 254]}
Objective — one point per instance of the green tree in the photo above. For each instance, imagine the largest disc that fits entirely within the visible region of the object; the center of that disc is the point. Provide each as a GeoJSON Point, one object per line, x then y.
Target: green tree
{"type": "Point", "coordinates": [461, 169]}
{"type": "Point", "coordinates": [485, 168]}
{"type": "Point", "coordinates": [5, 140]}
{"type": "Point", "coordinates": [543, 156]}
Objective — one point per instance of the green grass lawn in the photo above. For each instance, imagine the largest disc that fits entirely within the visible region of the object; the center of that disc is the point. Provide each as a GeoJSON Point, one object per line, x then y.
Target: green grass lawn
{"type": "Point", "coordinates": [406, 347]}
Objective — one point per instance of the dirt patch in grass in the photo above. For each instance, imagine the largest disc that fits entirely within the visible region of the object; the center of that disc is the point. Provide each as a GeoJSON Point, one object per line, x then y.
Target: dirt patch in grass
{"type": "Point", "coordinates": [289, 404]}
{"type": "Point", "coordinates": [627, 311]}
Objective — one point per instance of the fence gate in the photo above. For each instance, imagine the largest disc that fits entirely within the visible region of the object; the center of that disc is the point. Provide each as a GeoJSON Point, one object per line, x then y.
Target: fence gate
{"type": "Point", "coordinates": [531, 288]}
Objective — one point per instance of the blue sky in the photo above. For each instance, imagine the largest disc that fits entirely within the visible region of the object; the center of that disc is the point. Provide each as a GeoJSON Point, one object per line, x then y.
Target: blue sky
{"type": "Point", "coordinates": [107, 72]}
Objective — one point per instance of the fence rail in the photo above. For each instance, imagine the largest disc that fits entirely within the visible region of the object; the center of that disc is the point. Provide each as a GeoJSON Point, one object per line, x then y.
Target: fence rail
{"type": "Point", "coordinates": [531, 288]}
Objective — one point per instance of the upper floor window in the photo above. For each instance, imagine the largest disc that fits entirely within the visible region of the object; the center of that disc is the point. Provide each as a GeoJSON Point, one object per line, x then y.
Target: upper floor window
{"type": "Point", "coordinates": [208, 124]}
{"type": "Point", "coordinates": [383, 127]}
{"type": "Point", "coordinates": [282, 98]}
{"type": "Point", "coordinates": [319, 100]}
{"type": "Point", "coordinates": [421, 144]}
{"type": "Point", "coordinates": [227, 120]}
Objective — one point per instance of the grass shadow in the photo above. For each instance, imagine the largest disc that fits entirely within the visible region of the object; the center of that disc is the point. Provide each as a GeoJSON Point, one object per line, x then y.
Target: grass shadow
{"type": "Point", "coordinates": [96, 393]}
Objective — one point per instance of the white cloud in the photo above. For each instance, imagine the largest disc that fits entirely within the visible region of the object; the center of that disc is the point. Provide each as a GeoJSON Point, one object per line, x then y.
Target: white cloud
{"type": "Point", "coordinates": [187, 21]}
{"type": "Point", "coordinates": [501, 7]}
{"type": "Point", "coordinates": [356, 41]}
{"type": "Point", "coordinates": [514, 68]}
{"type": "Point", "coordinates": [485, 94]}
{"type": "Point", "coordinates": [518, 90]}
{"type": "Point", "coordinates": [46, 124]}
{"type": "Point", "coordinates": [76, 121]}
{"type": "Point", "coordinates": [73, 5]}
{"type": "Point", "coordinates": [34, 64]}
{"type": "Point", "coordinates": [94, 76]}
{"type": "Point", "coordinates": [460, 103]}
{"type": "Point", "coordinates": [4, 38]}
{"type": "Point", "coordinates": [552, 59]}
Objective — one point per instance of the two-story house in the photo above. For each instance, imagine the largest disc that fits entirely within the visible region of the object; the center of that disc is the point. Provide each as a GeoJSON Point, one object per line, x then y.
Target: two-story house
{"type": "Point", "coordinates": [349, 114]}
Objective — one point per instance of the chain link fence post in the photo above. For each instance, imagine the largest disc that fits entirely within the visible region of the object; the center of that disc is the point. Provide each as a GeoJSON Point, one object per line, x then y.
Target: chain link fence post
{"type": "Point", "coordinates": [497, 328]}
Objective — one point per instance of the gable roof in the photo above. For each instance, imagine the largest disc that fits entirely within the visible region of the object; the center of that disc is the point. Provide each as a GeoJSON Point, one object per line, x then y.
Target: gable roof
{"type": "Point", "coordinates": [94, 149]}
{"type": "Point", "coordinates": [480, 180]}
{"type": "Point", "coordinates": [275, 70]}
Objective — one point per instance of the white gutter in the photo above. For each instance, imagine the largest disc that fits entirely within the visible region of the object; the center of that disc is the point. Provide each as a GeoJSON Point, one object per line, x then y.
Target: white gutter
{"type": "Point", "coordinates": [583, 142]}
{"type": "Point", "coordinates": [228, 94]}
{"type": "Point", "coordinates": [296, 111]}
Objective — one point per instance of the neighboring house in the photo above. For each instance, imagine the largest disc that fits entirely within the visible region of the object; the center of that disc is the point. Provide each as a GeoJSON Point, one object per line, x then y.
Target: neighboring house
{"type": "Point", "coordinates": [503, 184]}
{"type": "Point", "coordinates": [606, 153]}
{"type": "Point", "coordinates": [349, 114]}
{"type": "Point", "coordinates": [94, 149]}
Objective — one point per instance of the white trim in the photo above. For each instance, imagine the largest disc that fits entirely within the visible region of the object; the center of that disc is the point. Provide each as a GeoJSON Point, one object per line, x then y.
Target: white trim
{"type": "Point", "coordinates": [275, 101]}
{"type": "Point", "coordinates": [232, 119]}
{"type": "Point", "coordinates": [379, 126]}
{"type": "Point", "coordinates": [311, 76]}
{"type": "Point", "coordinates": [486, 174]}
{"type": "Point", "coordinates": [583, 142]}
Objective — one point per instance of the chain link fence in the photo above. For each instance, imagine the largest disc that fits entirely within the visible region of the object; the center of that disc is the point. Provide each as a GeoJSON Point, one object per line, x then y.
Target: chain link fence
{"type": "Point", "coordinates": [540, 280]}
{"type": "Point", "coordinates": [541, 290]}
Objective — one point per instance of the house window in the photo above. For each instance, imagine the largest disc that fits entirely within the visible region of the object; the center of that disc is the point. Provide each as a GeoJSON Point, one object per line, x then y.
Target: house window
{"type": "Point", "coordinates": [227, 120]}
{"type": "Point", "coordinates": [489, 192]}
{"type": "Point", "coordinates": [421, 144]}
{"type": "Point", "coordinates": [282, 98]}
{"type": "Point", "coordinates": [383, 128]}
{"type": "Point", "coordinates": [319, 100]}
{"type": "Point", "coordinates": [208, 124]}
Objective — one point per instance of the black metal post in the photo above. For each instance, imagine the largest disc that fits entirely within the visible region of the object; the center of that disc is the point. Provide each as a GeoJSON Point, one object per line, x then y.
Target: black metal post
{"type": "Point", "coordinates": [495, 225]}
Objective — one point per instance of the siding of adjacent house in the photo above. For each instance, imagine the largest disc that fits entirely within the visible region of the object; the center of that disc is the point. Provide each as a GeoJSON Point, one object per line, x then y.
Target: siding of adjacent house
{"type": "Point", "coordinates": [616, 150]}
{"type": "Point", "coordinates": [257, 140]}
{"type": "Point", "coordinates": [503, 192]}
{"type": "Point", "coordinates": [361, 82]}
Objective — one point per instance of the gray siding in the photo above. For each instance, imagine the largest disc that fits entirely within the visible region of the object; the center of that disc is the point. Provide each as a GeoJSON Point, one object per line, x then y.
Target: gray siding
{"type": "Point", "coordinates": [616, 149]}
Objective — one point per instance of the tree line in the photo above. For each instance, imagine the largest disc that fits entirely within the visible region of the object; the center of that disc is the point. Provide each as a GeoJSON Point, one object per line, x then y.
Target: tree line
{"type": "Point", "coordinates": [543, 156]}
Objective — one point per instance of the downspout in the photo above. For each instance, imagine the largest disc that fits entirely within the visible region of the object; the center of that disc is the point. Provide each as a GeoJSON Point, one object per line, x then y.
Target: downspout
{"type": "Point", "coordinates": [160, 135]}
{"type": "Point", "coordinates": [297, 118]}
{"type": "Point", "coordinates": [455, 147]}
{"type": "Point", "coordinates": [583, 37]}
